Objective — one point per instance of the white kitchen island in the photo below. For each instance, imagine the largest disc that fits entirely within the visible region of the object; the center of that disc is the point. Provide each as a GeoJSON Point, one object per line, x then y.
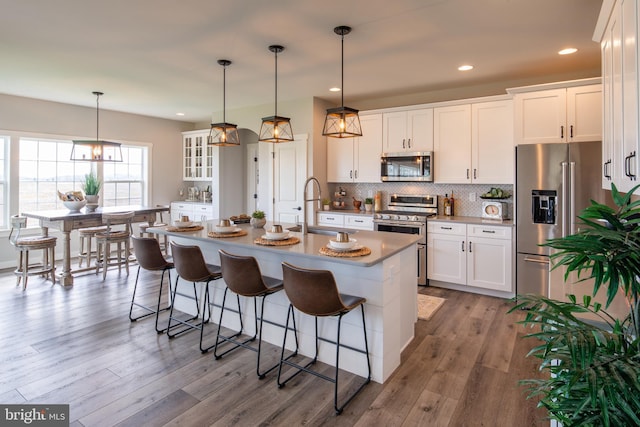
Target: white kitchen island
{"type": "Point", "coordinates": [386, 278]}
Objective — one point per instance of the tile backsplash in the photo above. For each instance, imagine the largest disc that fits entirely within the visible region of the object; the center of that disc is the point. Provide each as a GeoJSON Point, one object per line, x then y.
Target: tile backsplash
{"type": "Point", "coordinates": [461, 193]}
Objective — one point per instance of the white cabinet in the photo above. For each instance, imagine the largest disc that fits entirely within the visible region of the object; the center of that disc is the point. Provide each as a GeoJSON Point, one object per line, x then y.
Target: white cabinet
{"type": "Point", "coordinates": [408, 131]}
{"type": "Point", "coordinates": [356, 159]}
{"type": "Point", "coordinates": [571, 114]}
{"type": "Point", "coordinates": [358, 222]}
{"type": "Point", "coordinates": [195, 211]}
{"type": "Point", "coordinates": [330, 219]}
{"type": "Point", "coordinates": [197, 157]}
{"type": "Point", "coordinates": [473, 143]}
{"type": "Point", "coordinates": [617, 31]}
{"type": "Point", "coordinates": [446, 255]}
{"type": "Point", "coordinates": [470, 254]}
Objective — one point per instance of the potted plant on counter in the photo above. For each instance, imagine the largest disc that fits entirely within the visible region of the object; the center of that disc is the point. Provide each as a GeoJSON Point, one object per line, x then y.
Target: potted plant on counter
{"type": "Point", "coordinates": [257, 219]}
{"type": "Point", "coordinates": [91, 188]}
{"type": "Point", "coordinates": [368, 204]}
{"type": "Point", "coordinates": [326, 204]}
{"type": "Point", "coordinates": [592, 368]}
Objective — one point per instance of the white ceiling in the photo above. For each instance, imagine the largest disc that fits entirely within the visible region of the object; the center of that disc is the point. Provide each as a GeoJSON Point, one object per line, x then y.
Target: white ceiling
{"type": "Point", "coordinates": [159, 57]}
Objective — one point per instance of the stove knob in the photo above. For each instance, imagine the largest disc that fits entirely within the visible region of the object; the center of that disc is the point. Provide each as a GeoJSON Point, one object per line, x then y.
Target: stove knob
{"type": "Point", "coordinates": [413, 218]}
{"type": "Point", "coordinates": [403, 217]}
{"type": "Point", "coordinates": [385, 216]}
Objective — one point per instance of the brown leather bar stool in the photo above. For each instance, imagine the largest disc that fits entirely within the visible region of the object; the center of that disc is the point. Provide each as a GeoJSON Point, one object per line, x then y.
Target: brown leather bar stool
{"type": "Point", "coordinates": [243, 277]}
{"type": "Point", "coordinates": [142, 229]}
{"type": "Point", "coordinates": [191, 267]}
{"type": "Point", "coordinates": [86, 237]}
{"type": "Point", "coordinates": [31, 243]}
{"type": "Point", "coordinates": [149, 256]}
{"type": "Point", "coordinates": [118, 232]}
{"type": "Point", "coordinates": [314, 292]}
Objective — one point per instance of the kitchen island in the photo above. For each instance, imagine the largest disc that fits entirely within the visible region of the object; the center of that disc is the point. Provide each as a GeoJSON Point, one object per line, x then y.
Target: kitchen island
{"type": "Point", "coordinates": [386, 278]}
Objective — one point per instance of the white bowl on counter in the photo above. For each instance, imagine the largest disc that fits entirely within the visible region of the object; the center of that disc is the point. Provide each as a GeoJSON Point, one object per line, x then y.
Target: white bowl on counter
{"type": "Point", "coordinates": [269, 235]}
{"type": "Point", "coordinates": [333, 243]}
{"type": "Point", "coordinates": [226, 229]}
{"type": "Point", "coordinates": [183, 224]}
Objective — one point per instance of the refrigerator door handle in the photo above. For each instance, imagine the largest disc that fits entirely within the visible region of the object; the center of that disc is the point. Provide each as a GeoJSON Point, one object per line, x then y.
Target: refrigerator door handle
{"type": "Point", "coordinates": [538, 260]}
{"type": "Point", "coordinates": [572, 198]}
{"type": "Point", "coordinates": [564, 199]}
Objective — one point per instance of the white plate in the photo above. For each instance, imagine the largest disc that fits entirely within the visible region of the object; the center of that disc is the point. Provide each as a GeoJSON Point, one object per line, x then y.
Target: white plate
{"type": "Point", "coordinates": [227, 230]}
{"type": "Point", "coordinates": [353, 248]}
{"type": "Point", "coordinates": [276, 236]}
{"type": "Point", "coordinates": [183, 224]}
{"type": "Point", "coordinates": [334, 244]}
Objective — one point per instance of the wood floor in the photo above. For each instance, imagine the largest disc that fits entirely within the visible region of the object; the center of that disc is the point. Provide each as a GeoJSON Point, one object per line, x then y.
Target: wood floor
{"type": "Point", "coordinates": [77, 346]}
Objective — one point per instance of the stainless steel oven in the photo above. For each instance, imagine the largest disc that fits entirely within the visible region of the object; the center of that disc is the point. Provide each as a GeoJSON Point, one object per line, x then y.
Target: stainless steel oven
{"type": "Point", "coordinates": [408, 214]}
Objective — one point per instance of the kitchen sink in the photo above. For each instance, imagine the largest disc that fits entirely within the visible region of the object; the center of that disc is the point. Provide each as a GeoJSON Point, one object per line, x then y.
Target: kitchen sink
{"type": "Point", "coordinates": [327, 231]}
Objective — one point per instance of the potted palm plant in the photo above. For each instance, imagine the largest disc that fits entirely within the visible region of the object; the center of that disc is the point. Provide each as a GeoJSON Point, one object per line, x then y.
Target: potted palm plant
{"type": "Point", "coordinates": [91, 187]}
{"type": "Point", "coordinates": [593, 367]}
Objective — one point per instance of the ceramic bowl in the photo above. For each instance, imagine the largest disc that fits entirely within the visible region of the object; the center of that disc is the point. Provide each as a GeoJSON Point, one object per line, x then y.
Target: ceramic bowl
{"type": "Point", "coordinates": [270, 235]}
{"type": "Point", "coordinates": [74, 205]}
{"type": "Point", "coordinates": [342, 245]}
{"type": "Point", "coordinates": [183, 224]}
{"type": "Point", "coordinates": [225, 229]}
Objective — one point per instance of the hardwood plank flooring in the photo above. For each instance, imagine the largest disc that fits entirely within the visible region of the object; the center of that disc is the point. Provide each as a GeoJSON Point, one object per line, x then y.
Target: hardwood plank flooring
{"type": "Point", "coordinates": [76, 345]}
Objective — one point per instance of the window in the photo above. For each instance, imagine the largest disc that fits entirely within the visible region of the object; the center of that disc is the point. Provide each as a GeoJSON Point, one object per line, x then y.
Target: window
{"type": "Point", "coordinates": [4, 145]}
{"type": "Point", "coordinates": [125, 183]}
{"type": "Point", "coordinates": [45, 169]}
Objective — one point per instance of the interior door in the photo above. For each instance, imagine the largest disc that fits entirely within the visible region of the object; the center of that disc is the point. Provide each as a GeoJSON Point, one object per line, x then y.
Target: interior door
{"type": "Point", "coordinates": [289, 175]}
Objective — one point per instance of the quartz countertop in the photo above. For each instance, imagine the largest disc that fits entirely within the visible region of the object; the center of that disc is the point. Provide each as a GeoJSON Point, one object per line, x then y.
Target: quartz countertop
{"type": "Point", "coordinates": [382, 244]}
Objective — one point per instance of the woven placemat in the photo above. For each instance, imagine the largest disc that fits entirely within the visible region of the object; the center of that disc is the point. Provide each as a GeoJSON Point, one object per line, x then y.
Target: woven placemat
{"type": "Point", "coordinates": [223, 235]}
{"type": "Point", "coordinates": [286, 242]}
{"type": "Point", "coordinates": [345, 254]}
{"type": "Point", "coordinates": [184, 229]}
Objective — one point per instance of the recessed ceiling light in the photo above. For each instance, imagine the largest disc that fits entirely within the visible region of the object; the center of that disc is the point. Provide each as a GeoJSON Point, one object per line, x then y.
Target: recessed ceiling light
{"type": "Point", "coordinates": [179, 114]}
{"type": "Point", "coordinates": [334, 89]}
{"type": "Point", "coordinates": [465, 67]}
{"type": "Point", "coordinates": [568, 51]}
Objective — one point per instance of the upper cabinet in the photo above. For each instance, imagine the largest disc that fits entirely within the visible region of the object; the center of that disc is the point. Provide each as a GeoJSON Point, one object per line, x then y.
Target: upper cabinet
{"type": "Point", "coordinates": [356, 159]}
{"type": "Point", "coordinates": [565, 114]}
{"type": "Point", "coordinates": [617, 32]}
{"type": "Point", "coordinates": [473, 143]}
{"type": "Point", "coordinates": [197, 157]}
{"type": "Point", "coordinates": [408, 131]}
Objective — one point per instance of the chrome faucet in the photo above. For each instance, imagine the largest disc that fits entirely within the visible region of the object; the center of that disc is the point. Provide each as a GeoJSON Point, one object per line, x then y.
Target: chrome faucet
{"type": "Point", "coordinates": [304, 225]}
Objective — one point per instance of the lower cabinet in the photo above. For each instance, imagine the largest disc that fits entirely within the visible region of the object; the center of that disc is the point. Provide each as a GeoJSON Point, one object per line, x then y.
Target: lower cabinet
{"type": "Point", "coordinates": [330, 219]}
{"type": "Point", "coordinates": [470, 254]}
{"type": "Point", "coordinates": [195, 211]}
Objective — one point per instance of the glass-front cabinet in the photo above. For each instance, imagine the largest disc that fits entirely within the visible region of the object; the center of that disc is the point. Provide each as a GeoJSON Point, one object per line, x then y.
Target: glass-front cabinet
{"type": "Point", "coordinates": [197, 157]}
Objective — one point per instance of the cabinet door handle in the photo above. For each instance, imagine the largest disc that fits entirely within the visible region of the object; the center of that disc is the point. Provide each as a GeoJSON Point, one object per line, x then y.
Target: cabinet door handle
{"type": "Point", "coordinates": [631, 175]}
{"type": "Point", "coordinates": [561, 132]}
{"type": "Point", "coordinates": [571, 131]}
{"type": "Point", "coordinates": [446, 228]}
{"type": "Point", "coordinates": [409, 142]}
{"type": "Point", "coordinates": [467, 173]}
{"type": "Point", "coordinates": [489, 231]}
{"type": "Point", "coordinates": [627, 162]}
{"type": "Point", "coordinates": [403, 140]}
{"type": "Point", "coordinates": [463, 246]}
{"type": "Point", "coordinates": [606, 172]}
{"type": "Point", "coordinates": [470, 247]}
{"type": "Point", "coordinates": [356, 174]}
{"type": "Point", "coordinates": [351, 174]}
{"type": "Point", "coordinates": [358, 220]}
{"type": "Point", "coordinates": [475, 173]}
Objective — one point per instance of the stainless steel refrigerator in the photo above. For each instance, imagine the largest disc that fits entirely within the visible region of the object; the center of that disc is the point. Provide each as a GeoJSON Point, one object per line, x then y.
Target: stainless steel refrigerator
{"type": "Point", "coordinates": [554, 183]}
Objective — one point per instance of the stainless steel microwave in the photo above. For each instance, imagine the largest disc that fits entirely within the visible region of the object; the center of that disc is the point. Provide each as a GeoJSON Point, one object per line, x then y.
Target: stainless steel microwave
{"type": "Point", "coordinates": [415, 166]}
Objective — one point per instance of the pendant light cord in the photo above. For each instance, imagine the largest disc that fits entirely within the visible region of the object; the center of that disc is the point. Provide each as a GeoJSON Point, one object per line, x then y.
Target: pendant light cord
{"type": "Point", "coordinates": [276, 97]}
{"type": "Point", "coordinates": [224, 95]}
{"type": "Point", "coordinates": [342, 71]}
{"type": "Point", "coordinates": [97, 115]}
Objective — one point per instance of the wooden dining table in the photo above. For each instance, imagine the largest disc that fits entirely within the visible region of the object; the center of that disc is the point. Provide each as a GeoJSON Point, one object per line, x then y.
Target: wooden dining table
{"type": "Point", "coordinates": [67, 221]}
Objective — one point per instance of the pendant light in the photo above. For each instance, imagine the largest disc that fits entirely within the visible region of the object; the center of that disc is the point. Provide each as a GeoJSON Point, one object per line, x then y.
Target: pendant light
{"type": "Point", "coordinates": [224, 134]}
{"type": "Point", "coordinates": [96, 150]}
{"type": "Point", "coordinates": [342, 122]}
{"type": "Point", "coordinates": [276, 128]}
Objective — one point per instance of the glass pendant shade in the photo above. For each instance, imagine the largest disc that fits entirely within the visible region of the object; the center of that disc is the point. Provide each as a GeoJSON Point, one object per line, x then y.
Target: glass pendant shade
{"type": "Point", "coordinates": [342, 122]}
{"type": "Point", "coordinates": [276, 128]}
{"type": "Point", "coordinates": [96, 150]}
{"type": "Point", "coordinates": [224, 134]}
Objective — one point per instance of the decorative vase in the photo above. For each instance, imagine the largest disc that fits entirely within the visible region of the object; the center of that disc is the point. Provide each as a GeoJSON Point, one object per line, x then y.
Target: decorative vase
{"type": "Point", "coordinates": [258, 222]}
{"type": "Point", "coordinates": [326, 207]}
{"type": "Point", "coordinates": [92, 198]}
